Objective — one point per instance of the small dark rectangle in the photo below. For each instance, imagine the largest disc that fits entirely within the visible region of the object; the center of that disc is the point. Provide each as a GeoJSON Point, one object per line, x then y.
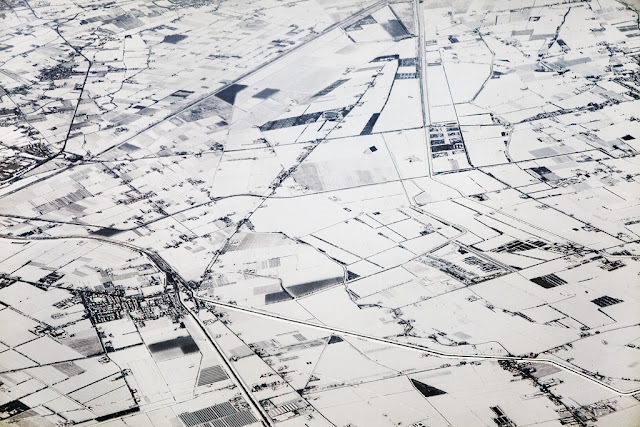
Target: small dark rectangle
{"type": "Point", "coordinates": [541, 171]}
{"type": "Point", "coordinates": [118, 414]}
{"type": "Point", "coordinates": [212, 374]}
{"type": "Point", "coordinates": [173, 38]}
{"type": "Point", "coordinates": [70, 369]}
{"type": "Point", "coordinates": [208, 414]}
{"type": "Point", "coordinates": [606, 301]}
{"type": "Point", "coordinates": [370, 124]}
{"type": "Point", "coordinates": [229, 94]}
{"type": "Point", "coordinates": [497, 410]}
{"type": "Point", "coordinates": [548, 281]}
{"type": "Point", "coordinates": [628, 137]}
{"type": "Point", "coordinates": [435, 148]}
{"type": "Point", "coordinates": [518, 245]}
{"type": "Point", "coordinates": [129, 147]}
{"type": "Point", "coordinates": [309, 287]}
{"type": "Point", "coordinates": [186, 344]}
{"type": "Point", "coordinates": [395, 29]}
{"type": "Point", "coordinates": [277, 297]}
{"type": "Point", "coordinates": [266, 93]}
{"type": "Point", "coordinates": [107, 232]}
{"type": "Point", "coordinates": [291, 121]}
{"type": "Point", "coordinates": [182, 93]}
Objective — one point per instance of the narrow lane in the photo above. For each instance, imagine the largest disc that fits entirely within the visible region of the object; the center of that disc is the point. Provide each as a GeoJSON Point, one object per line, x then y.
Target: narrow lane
{"type": "Point", "coordinates": [416, 347]}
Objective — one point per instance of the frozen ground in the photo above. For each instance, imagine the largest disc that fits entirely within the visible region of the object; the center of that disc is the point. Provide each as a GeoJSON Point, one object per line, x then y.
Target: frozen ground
{"type": "Point", "coordinates": [319, 213]}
